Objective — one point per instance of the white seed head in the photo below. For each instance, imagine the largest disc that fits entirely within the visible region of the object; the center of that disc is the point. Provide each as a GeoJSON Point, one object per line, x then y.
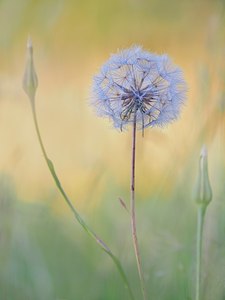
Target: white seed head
{"type": "Point", "coordinates": [136, 83]}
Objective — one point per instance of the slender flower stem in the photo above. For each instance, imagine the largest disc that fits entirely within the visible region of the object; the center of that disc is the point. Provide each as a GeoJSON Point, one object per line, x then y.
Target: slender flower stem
{"type": "Point", "coordinates": [200, 225]}
{"type": "Point", "coordinates": [74, 211]}
{"type": "Point", "coordinates": [133, 214]}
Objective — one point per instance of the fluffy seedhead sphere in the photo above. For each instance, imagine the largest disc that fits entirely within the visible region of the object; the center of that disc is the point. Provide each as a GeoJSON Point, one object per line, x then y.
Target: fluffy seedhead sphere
{"type": "Point", "coordinates": [135, 85]}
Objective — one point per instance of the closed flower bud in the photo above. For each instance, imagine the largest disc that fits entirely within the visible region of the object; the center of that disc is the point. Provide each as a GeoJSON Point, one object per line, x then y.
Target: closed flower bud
{"type": "Point", "coordinates": [204, 191]}
{"type": "Point", "coordinates": [30, 80]}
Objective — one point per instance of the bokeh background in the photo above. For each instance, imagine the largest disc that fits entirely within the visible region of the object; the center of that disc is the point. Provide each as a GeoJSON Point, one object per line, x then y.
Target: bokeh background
{"type": "Point", "coordinates": [44, 254]}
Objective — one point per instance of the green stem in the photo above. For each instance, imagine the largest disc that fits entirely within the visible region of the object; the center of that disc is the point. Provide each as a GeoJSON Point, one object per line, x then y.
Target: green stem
{"type": "Point", "coordinates": [74, 211]}
{"type": "Point", "coordinates": [200, 225]}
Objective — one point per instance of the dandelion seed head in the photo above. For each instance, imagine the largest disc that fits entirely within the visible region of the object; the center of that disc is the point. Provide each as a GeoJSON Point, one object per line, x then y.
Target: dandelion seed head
{"type": "Point", "coordinates": [137, 84]}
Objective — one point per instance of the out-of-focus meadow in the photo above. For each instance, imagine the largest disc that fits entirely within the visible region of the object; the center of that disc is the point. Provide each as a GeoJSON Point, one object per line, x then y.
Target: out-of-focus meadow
{"type": "Point", "coordinates": [44, 254]}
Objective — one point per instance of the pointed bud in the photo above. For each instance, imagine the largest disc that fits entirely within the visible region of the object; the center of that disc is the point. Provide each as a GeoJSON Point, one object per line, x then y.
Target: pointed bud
{"type": "Point", "coordinates": [30, 80]}
{"type": "Point", "coordinates": [123, 204]}
{"type": "Point", "coordinates": [204, 191]}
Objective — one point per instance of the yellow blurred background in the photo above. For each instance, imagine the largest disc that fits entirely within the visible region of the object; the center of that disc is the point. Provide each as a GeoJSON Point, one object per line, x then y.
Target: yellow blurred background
{"type": "Point", "coordinates": [72, 39]}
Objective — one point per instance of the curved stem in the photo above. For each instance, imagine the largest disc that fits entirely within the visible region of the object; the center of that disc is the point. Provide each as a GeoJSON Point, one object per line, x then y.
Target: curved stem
{"type": "Point", "coordinates": [133, 214]}
{"type": "Point", "coordinates": [73, 209]}
{"type": "Point", "coordinates": [200, 224]}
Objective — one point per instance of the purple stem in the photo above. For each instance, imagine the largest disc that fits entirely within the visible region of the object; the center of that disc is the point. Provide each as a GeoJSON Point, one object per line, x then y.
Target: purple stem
{"type": "Point", "coordinates": [133, 214]}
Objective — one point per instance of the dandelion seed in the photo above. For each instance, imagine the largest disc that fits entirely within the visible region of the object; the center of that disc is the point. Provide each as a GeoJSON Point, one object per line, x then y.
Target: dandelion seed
{"type": "Point", "coordinates": [135, 84]}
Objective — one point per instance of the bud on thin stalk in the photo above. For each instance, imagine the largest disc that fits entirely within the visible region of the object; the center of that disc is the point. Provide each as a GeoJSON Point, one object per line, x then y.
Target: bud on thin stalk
{"type": "Point", "coordinates": [203, 198]}
{"type": "Point", "coordinates": [30, 83]}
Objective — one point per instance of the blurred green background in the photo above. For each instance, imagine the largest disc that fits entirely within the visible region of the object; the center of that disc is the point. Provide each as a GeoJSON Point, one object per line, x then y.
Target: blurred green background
{"type": "Point", "coordinates": [44, 254]}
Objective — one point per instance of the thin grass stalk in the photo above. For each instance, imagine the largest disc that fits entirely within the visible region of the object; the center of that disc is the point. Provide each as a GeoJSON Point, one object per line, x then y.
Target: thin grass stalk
{"type": "Point", "coordinates": [200, 225]}
{"type": "Point", "coordinates": [133, 212]}
{"type": "Point", "coordinates": [87, 229]}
